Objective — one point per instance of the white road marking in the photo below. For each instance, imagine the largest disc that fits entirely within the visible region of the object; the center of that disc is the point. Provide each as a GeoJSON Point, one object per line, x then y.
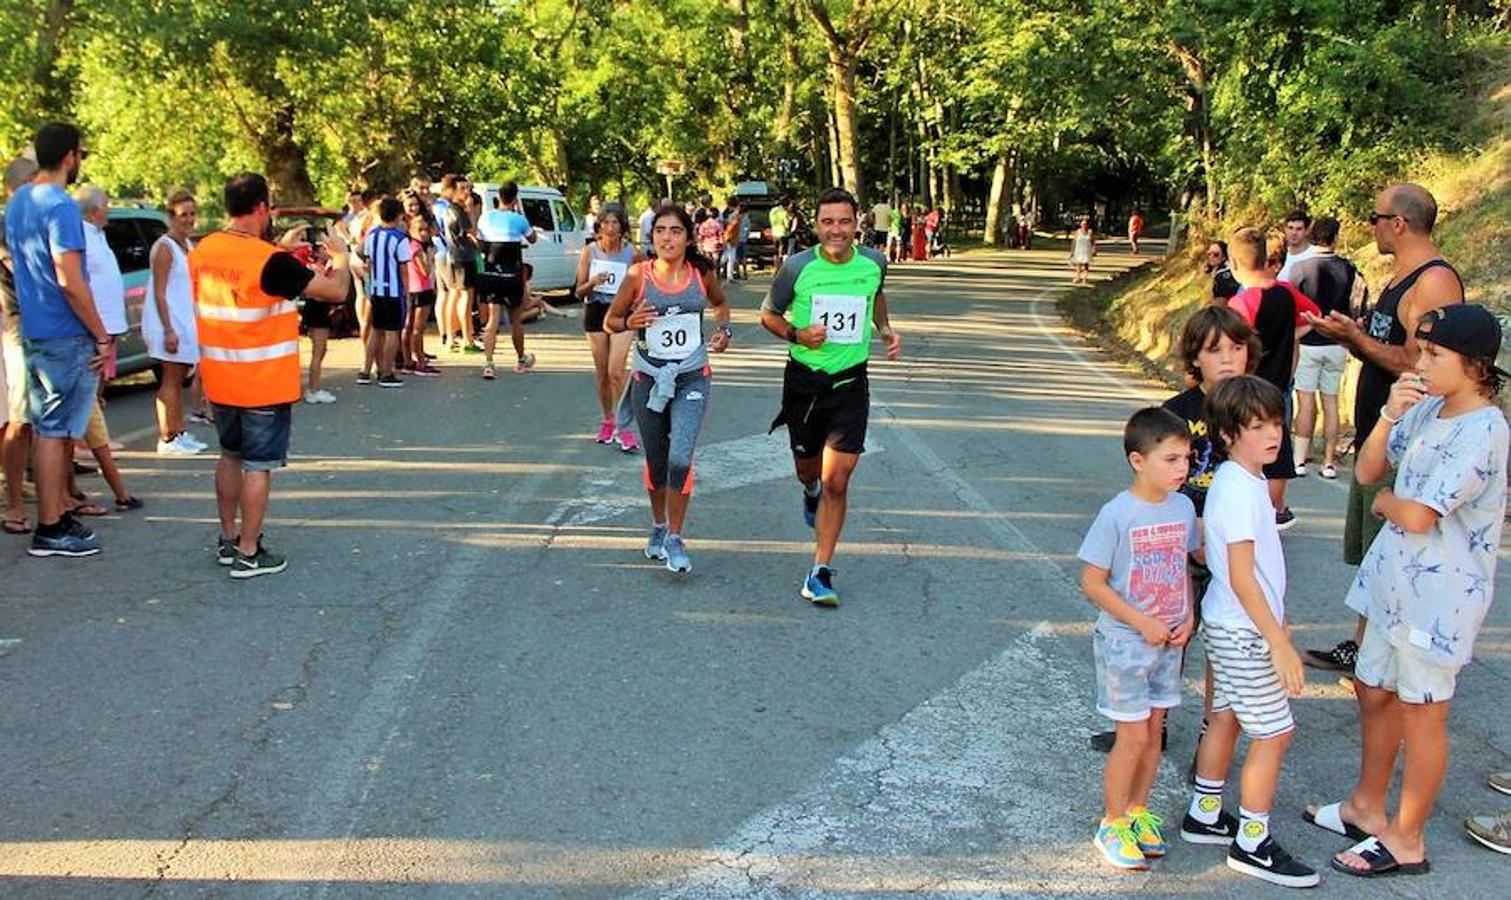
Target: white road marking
{"type": "Point", "coordinates": [1142, 393]}
{"type": "Point", "coordinates": [966, 761]}
{"type": "Point", "coordinates": [724, 466]}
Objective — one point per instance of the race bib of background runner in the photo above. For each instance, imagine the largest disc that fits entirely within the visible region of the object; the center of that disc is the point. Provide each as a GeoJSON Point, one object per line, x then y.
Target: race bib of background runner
{"type": "Point", "coordinates": [674, 338]}
{"type": "Point", "coordinates": [614, 270]}
{"type": "Point", "coordinates": [844, 315]}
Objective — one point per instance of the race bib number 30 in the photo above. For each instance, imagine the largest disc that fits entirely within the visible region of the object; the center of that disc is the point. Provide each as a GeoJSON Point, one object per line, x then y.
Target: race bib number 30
{"type": "Point", "coordinates": [614, 270]}
{"type": "Point", "coordinates": [844, 315]}
{"type": "Point", "coordinates": [674, 337]}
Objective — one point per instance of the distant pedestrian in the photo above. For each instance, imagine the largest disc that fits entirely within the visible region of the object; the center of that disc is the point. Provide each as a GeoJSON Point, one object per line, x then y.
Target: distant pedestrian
{"type": "Point", "coordinates": [244, 288]}
{"type": "Point", "coordinates": [387, 252]}
{"type": "Point", "coordinates": [881, 224]}
{"type": "Point", "coordinates": [1083, 249]}
{"type": "Point", "coordinates": [15, 435]}
{"type": "Point", "coordinates": [780, 222]}
{"type": "Point", "coordinates": [1298, 244]}
{"type": "Point", "coordinates": [1135, 230]}
{"type": "Point", "coordinates": [1332, 282]}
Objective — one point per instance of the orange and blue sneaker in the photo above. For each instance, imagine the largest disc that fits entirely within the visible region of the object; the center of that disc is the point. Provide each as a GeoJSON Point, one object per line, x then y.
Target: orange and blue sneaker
{"type": "Point", "coordinates": [1118, 845]}
{"type": "Point", "coordinates": [1146, 830]}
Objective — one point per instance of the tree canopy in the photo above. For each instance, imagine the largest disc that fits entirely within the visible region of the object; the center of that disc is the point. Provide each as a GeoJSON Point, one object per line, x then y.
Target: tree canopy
{"type": "Point", "coordinates": [984, 107]}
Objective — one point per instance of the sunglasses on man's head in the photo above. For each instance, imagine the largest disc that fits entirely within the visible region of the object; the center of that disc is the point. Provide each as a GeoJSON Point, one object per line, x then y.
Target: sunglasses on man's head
{"type": "Point", "coordinates": [1375, 217]}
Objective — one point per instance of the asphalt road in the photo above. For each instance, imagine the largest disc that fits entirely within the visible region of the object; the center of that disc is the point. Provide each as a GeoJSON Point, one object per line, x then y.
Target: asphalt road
{"type": "Point", "coordinates": [470, 684]}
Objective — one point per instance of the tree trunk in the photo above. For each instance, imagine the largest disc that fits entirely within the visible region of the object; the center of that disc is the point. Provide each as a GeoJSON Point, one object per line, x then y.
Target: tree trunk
{"type": "Point", "coordinates": [847, 127]}
{"type": "Point", "coordinates": [288, 171]}
{"type": "Point", "coordinates": [836, 174]}
{"type": "Point", "coordinates": [792, 64]}
{"type": "Point", "coordinates": [998, 200]}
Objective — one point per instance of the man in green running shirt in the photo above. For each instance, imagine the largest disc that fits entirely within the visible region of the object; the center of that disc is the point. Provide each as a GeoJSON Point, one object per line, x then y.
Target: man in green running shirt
{"type": "Point", "coordinates": [827, 302]}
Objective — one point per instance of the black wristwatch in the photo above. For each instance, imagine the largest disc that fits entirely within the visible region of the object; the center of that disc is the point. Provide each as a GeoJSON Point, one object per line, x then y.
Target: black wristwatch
{"type": "Point", "coordinates": [791, 334]}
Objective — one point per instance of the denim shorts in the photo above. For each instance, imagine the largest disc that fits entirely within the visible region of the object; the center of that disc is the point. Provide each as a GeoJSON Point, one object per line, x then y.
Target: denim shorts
{"type": "Point", "coordinates": [61, 385]}
{"type": "Point", "coordinates": [259, 434]}
{"type": "Point", "coordinates": [1134, 677]}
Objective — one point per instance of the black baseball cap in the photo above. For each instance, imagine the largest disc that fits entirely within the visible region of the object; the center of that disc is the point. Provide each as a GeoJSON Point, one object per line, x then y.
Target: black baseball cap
{"type": "Point", "coordinates": [1465, 328]}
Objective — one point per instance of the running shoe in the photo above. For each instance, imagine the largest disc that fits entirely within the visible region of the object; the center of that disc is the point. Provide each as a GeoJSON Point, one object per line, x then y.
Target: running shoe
{"type": "Point", "coordinates": [1339, 659]}
{"type": "Point", "coordinates": [677, 559]}
{"type": "Point", "coordinates": [1284, 519]}
{"type": "Point", "coordinates": [1500, 781]}
{"type": "Point", "coordinates": [1301, 470]}
{"type": "Point", "coordinates": [263, 562]}
{"type": "Point", "coordinates": [1494, 831]}
{"type": "Point", "coordinates": [489, 373]}
{"type": "Point", "coordinates": [1146, 830]}
{"type": "Point", "coordinates": [1328, 473]}
{"type": "Point", "coordinates": [810, 506]}
{"type": "Point", "coordinates": [1269, 862]}
{"type": "Point", "coordinates": [177, 447]}
{"type": "Point", "coordinates": [74, 540]}
{"type": "Point", "coordinates": [655, 545]}
{"type": "Point", "coordinates": [1119, 847]}
{"type": "Point", "coordinates": [455, 347]}
{"type": "Point", "coordinates": [819, 588]}
{"type": "Point", "coordinates": [525, 364]}
{"type": "Point", "coordinates": [225, 550]}
{"type": "Point", "coordinates": [627, 441]}
{"type": "Point", "coordinates": [390, 381]}
{"type": "Point", "coordinates": [426, 370]}
{"type": "Point", "coordinates": [472, 348]}
{"type": "Point", "coordinates": [1223, 831]}
{"type": "Point", "coordinates": [364, 378]}
{"type": "Point", "coordinates": [320, 396]}
{"type": "Point", "coordinates": [605, 432]}
{"type": "Point", "coordinates": [189, 438]}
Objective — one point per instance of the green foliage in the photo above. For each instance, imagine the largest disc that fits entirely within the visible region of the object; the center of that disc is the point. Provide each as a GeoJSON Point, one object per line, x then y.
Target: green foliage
{"type": "Point", "coordinates": [1259, 102]}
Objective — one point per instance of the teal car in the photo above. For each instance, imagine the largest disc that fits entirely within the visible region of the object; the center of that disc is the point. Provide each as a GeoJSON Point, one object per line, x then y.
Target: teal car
{"type": "Point", "coordinates": [131, 231]}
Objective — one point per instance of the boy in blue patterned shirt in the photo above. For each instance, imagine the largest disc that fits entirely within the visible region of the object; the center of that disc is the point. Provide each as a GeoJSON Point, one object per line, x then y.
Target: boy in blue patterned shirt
{"type": "Point", "coordinates": [1427, 580]}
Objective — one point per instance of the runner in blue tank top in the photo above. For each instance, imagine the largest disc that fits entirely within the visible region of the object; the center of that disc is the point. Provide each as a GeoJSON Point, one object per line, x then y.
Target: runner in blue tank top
{"type": "Point", "coordinates": [505, 280]}
{"type": "Point", "coordinates": [664, 301]}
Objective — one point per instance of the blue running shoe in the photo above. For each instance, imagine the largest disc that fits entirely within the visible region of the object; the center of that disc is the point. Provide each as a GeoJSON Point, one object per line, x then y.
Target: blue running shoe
{"type": "Point", "coordinates": [655, 545]}
{"type": "Point", "coordinates": [819, 588]}
{"type": "Point", "coordinates": [1119, 847]}
{"type": "Point", "coordinates": [677, 559]}
{"type": "Point", "coordinates": [810, 507]}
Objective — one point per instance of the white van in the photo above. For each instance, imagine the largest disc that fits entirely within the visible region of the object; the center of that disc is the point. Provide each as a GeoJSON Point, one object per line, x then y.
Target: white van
{"type": "Point", "coordinates": [558, 233]}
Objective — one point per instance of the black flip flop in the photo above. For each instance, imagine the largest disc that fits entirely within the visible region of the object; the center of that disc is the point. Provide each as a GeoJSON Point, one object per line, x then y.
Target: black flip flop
{"type": "Point", "coordinates": [1350, 830]}
{"type": "Point", "coordinates": [15, 526]}
{"type": "Point", "coordinates": [1381, 862]}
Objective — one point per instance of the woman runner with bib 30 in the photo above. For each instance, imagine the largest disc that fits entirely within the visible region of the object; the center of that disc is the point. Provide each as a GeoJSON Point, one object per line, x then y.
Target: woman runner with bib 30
{"type": "Point", "coordinates": [601, 268]}
{"type": "Point", "coordinates": [664, 300]}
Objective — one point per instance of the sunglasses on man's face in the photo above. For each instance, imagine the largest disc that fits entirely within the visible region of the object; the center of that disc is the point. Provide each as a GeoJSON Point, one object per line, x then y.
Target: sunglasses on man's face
{"type": "Point", "coordinates": [1375, 217]}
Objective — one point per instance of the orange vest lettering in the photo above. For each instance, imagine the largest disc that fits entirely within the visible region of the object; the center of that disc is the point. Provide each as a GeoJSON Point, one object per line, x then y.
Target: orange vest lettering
{"type": "Point", "coordinates": [248, 339]}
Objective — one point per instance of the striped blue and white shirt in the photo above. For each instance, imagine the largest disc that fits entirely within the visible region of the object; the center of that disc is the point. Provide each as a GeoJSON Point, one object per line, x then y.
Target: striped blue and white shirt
{"type": "Point", "coordinates": [387, 250]}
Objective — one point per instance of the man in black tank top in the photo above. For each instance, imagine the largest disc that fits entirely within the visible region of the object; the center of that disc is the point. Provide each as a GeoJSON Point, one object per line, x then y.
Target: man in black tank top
{"type": "Point", "coordinates": [1384, 341]}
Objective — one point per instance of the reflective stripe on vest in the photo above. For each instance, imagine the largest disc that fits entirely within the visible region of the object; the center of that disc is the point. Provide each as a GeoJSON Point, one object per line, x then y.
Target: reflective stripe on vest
{"type": "Point", "coordinates": [248, 338]}
{"type": "Point", "coordinates": [256, 354]}
{"type": "Point", "coordinates": [233, 314]}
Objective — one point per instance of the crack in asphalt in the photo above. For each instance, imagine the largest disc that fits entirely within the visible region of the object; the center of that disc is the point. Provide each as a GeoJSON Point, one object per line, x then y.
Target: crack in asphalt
{"type": "Point", "coordinates": [259, 735]}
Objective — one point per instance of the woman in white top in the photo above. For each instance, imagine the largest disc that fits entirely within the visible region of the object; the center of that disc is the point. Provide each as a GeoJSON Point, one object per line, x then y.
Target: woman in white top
{"type": "Point", "coordinates": [1083, 249]}
{"type": "Point", "coordinates": [601, 268]}
{"type": "Point", "coordinates": [168, 327]}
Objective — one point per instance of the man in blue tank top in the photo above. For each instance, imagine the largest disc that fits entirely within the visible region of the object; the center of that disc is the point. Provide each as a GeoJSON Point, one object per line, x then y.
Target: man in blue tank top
{"type": "Point", "coordinates": [505, 280]}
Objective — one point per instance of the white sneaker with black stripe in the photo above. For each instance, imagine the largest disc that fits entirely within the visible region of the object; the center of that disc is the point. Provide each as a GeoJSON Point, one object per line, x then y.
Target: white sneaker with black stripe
{"type": "Point", "coordinates": [1269, 862]}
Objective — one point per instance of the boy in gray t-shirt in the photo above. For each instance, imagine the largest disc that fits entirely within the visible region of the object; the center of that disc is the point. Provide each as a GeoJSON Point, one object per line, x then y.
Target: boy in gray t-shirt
{"type": "Point", "coordinates": [1135, 572]}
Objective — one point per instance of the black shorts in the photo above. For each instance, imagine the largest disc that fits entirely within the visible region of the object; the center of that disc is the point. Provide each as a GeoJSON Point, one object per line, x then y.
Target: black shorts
{"type": "Point", "coordinates": [506, 292]}
{"type": "Point", "coordinates": [418, 299]}
{"type": "Point", "coordinates": [593, 315]}
{"type": "Point", "coordinates": [315, 314]}
{"type": "Point", "coordinates": [822, 410]}
{"type": "Point", "coordinates": [387, 313]}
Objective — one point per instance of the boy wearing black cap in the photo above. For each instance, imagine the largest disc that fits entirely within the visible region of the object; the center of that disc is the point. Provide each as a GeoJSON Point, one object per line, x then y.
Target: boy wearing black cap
{"type": "Point", "coordinates": [1427, 580]}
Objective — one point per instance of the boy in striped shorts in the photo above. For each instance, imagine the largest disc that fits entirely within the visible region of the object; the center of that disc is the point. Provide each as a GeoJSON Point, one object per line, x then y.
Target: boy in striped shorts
{"type": "Point", "coordinates": [1255, 669]}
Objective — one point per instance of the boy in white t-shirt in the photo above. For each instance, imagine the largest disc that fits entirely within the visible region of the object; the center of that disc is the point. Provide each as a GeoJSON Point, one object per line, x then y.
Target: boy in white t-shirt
{"type": "Point", "coordinates": [1254, 666]}
{"type": "Point", "coordinates": [1135, 556]}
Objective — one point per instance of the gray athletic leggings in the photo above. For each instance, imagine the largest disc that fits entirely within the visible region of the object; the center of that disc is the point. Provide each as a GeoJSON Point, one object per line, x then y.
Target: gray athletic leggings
{"type": "Point", "coordinates": [670, 436]}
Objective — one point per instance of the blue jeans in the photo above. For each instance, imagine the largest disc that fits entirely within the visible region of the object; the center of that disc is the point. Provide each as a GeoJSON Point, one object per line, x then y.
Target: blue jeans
{"type": "Point", "coordinates": [259, 436]}
{"type": "Point", "coordinates": [62, 386]}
